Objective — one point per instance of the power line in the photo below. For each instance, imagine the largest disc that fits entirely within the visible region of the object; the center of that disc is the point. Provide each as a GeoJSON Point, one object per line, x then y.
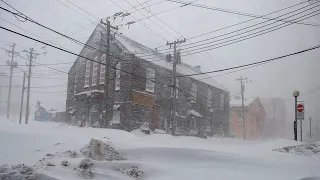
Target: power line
{"type": "Point", "coordinates": [150, 19]}
{"type": "Point", "coordinates": [240, 13]}
{"type": "Point", "coordinates": [74, 10]}
{"type": "Point", "coordinates": [77, 54]}
{"type": "Point", "coordinates": [139, 21]}
{"type": "Point", "coordinates": [251, 64]}
{"type": "Point", "coordinates": [38, 63]}
{"type": "Point", "coordinates": [239, 33]}
{"type": "Point", "coordinates": [65, 36]}
{"type": "Point", "coordinates": [215, 46]}
{"type": "Point", "coordinates": [82, 9]}
{"type": "Point", "coordinates": [204, 50]}
{"type": "Point", "coordinates": [226, 27]}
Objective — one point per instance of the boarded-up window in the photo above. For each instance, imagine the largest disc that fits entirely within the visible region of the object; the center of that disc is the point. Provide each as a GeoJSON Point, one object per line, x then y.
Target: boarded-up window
{"type": "Point", "coordinates": [150, 75]}
{"type": "Point", "coordinates": [95, 71]}
{"type": "Point", "coordinates": [118, 69]}
{"type": "Point", "coordinates": [87, 76]}
{"type": "Point", "coordinates": [103, 69]}
{"type": "Point", "coordinates": [209, 98]}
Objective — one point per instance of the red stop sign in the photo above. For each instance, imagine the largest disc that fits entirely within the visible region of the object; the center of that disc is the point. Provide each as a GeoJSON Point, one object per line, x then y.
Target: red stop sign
{"type": "Point", "coordinates": [300, 108]}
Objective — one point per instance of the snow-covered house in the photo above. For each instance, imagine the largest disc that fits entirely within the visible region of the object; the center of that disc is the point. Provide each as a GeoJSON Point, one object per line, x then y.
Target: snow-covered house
{"type": "Point", "coordinates": [133, 97]}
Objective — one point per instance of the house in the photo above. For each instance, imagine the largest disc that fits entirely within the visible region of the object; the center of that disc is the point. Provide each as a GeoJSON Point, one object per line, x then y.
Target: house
{"type": "Point", "coordinates": [254, 115]}
{"type": "Point", "coordinates": [140, 89]}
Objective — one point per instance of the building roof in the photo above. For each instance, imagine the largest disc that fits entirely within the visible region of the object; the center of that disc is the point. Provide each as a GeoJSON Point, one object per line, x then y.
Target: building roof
{"type": "Point", "coordinates": [160, 59]}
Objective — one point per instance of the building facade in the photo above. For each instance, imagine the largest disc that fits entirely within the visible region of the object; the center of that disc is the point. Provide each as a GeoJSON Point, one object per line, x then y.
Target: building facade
{"type": "Point", "coordinates": [140, 90]}
{"type": "Point", "coordinates": [254, 115]}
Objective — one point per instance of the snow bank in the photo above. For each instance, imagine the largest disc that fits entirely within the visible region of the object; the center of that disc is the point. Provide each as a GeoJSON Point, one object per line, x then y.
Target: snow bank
{"type": "Point", "coordinates": [21, 172]}
{"type": "Point", "coordinates": [312, 149]}
{"type": "Point", "coordinates": [100, 151]}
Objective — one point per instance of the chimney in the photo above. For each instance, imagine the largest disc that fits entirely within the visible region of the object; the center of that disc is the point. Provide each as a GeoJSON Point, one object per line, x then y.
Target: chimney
{"type": "Point", "coordinates": [198, 67]}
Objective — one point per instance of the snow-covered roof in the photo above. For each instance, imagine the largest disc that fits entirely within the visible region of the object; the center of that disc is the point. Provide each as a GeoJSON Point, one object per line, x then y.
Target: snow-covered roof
{"type": "Point", "coordinates": [160, 59]}
{"type": "Point", "coordinates": [195, 113]}
{"type": "Point", "coordinates": [154, 57]}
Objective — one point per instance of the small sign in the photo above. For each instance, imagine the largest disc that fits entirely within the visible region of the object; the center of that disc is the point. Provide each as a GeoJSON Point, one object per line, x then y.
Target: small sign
{"type": "Point", "coordinates": [143, 98]}
{"type": "Point", "coordinates": [300, 111]}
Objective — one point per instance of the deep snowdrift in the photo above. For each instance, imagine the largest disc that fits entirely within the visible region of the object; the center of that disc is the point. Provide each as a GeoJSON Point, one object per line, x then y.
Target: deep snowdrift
{"type": "Point", "coordinates": [53, 150]}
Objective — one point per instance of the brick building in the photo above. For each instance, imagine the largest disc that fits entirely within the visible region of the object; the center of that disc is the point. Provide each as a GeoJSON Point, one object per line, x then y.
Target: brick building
{"type": "Point", "coordinates": [135, 99]}
{"type": "Point", "coordinates": [254, 115]}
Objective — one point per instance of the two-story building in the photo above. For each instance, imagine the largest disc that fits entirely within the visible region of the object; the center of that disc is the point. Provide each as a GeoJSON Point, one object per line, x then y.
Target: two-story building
{"type": "Point", "coordinates": [254, 115]}
{"type": "Point", "coordinates": [140, 89]}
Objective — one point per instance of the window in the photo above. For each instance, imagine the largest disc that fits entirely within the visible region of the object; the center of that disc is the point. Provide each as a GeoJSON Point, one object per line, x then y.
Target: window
{"type": "Point", "coordinates": [194, 93]}
{"type": "Point", "coordinates": [222, 101]}
{"type": "Point", "coordinates": [118, 68]}
{"type": "Point", "coordinates": [209, 98]}
{"type": "Point", "coordinates": [103, 68]}
{"type": "Point", "coordinates": [193, 124]}
{"type": "Point", "coordinates": [87, 76]}
{"type": "Point", "coordinates": [150, 75]}
{"type": "Point", "coordinates": [95, 72]}
{"type": "Point", "coordinates": [75, 84]}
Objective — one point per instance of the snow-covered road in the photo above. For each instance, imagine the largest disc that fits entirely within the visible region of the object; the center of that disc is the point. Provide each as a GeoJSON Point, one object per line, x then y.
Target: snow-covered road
{"type": "Point", "coordinates": [160, 156]}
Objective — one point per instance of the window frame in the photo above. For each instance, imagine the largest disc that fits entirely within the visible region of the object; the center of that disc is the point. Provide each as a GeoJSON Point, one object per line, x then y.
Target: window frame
{"type": "Point", "coordinates": [102, 68]}
{"type": "Point", "coordinates": [87, 74]}
{"type": "Point", "coordinates": [118, 77]}
{"type": "Point", "coordinates": [194, 92]}
{"type": "Point", "coordinates": [150, 85]}
{"type": "Point", "coordinates": [95, 72]}
{"type": "Point", "coordinates": [209, 97]}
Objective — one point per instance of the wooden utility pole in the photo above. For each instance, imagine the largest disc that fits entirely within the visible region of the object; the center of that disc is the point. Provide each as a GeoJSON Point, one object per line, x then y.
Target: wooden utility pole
{"type": "Point", "coordinates": [22, 96]}
{"type": "Point", "coordinates": [12, 65]}
{"type": "Point", "coordinates": [32, 55]}
{"type": "Point", "coordinates": [244, 124]}
{"type": "Point", "coordinates": [106, 77]}
{"type": "Point", "coordinates": [174, 84]}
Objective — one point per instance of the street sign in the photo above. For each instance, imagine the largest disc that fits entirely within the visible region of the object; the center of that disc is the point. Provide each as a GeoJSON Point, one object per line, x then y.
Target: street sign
{"type": "Point", "coordinates": [300, 108]}
{"type": "Point", "coordinates": [300, 111]}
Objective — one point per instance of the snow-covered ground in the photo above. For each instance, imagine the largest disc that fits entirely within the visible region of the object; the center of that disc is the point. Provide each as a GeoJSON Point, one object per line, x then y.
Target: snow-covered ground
{"type": "Point", "coordinates": [158, 156]}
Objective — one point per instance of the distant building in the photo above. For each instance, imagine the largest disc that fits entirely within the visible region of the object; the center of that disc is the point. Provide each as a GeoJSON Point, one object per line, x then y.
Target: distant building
{"type": "Point", "coordinates": [275, 117]}
{"type": "Point", "coordinates": [135, 100]}
{"type": "Point", "coordinates": [254, 115]}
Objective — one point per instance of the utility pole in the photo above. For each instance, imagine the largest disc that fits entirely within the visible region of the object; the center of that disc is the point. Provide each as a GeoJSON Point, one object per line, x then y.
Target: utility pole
{"type": "Point", "coordinates": [32, 55]}
{"type": "Point", "coordinates": [274, 118]}
{"type": "Point", "coordinates": [295, 123]}
{"type": "Point", "coordinates": [12, 65]}
{"type": "Point", "coordinates": [211, 122]}
{"type": "Point", "coordinates": [106, 76]}
{"type": "Point", "coordinates": [244, 124]}
{"type": "Point", "coordinates": [310, 118]}
{"type": "Point", "coordinates": [176, 57]}
{"type": "Point", "coordinates": [22, 96]}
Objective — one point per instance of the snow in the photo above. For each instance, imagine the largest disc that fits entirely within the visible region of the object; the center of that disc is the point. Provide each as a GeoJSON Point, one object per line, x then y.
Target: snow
{"type": "Point", "coordinates": [156, 156]}
{"type": "Point", "coordinates": [195, 113]}
{"type": "Point", "coordinates": [159, 59]}
{"type": "Point", "coordinates": [86, 92]}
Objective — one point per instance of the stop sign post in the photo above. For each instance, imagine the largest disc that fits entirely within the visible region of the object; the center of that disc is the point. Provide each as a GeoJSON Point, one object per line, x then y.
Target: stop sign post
{"type": "Point", "coordinates": [300, 111]}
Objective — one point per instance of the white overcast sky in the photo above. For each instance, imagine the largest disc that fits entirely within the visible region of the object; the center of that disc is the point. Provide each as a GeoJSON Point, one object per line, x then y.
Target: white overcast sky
{"type": "Point", "coordinates": [276, 79]}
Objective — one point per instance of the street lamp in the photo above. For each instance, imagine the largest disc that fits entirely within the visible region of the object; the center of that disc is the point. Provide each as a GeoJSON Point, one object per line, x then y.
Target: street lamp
{"type": "Point", "coordinates": [295, 95]}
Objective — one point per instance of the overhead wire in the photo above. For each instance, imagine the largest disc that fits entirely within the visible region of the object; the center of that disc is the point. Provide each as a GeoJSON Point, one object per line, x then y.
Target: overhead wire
{"type": "Point", "coordinates": [216, 45]}
{"type": "Point", "coordinates": [150, 19]}
{"type": "Point", "coordinates": [242, 22]}
{"type": "Point", "coordinates": [146, 56]}
{"type": "Point", "coordinates": [241, 13]}
{"type": "Point", "coordinates": [140, 21]}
